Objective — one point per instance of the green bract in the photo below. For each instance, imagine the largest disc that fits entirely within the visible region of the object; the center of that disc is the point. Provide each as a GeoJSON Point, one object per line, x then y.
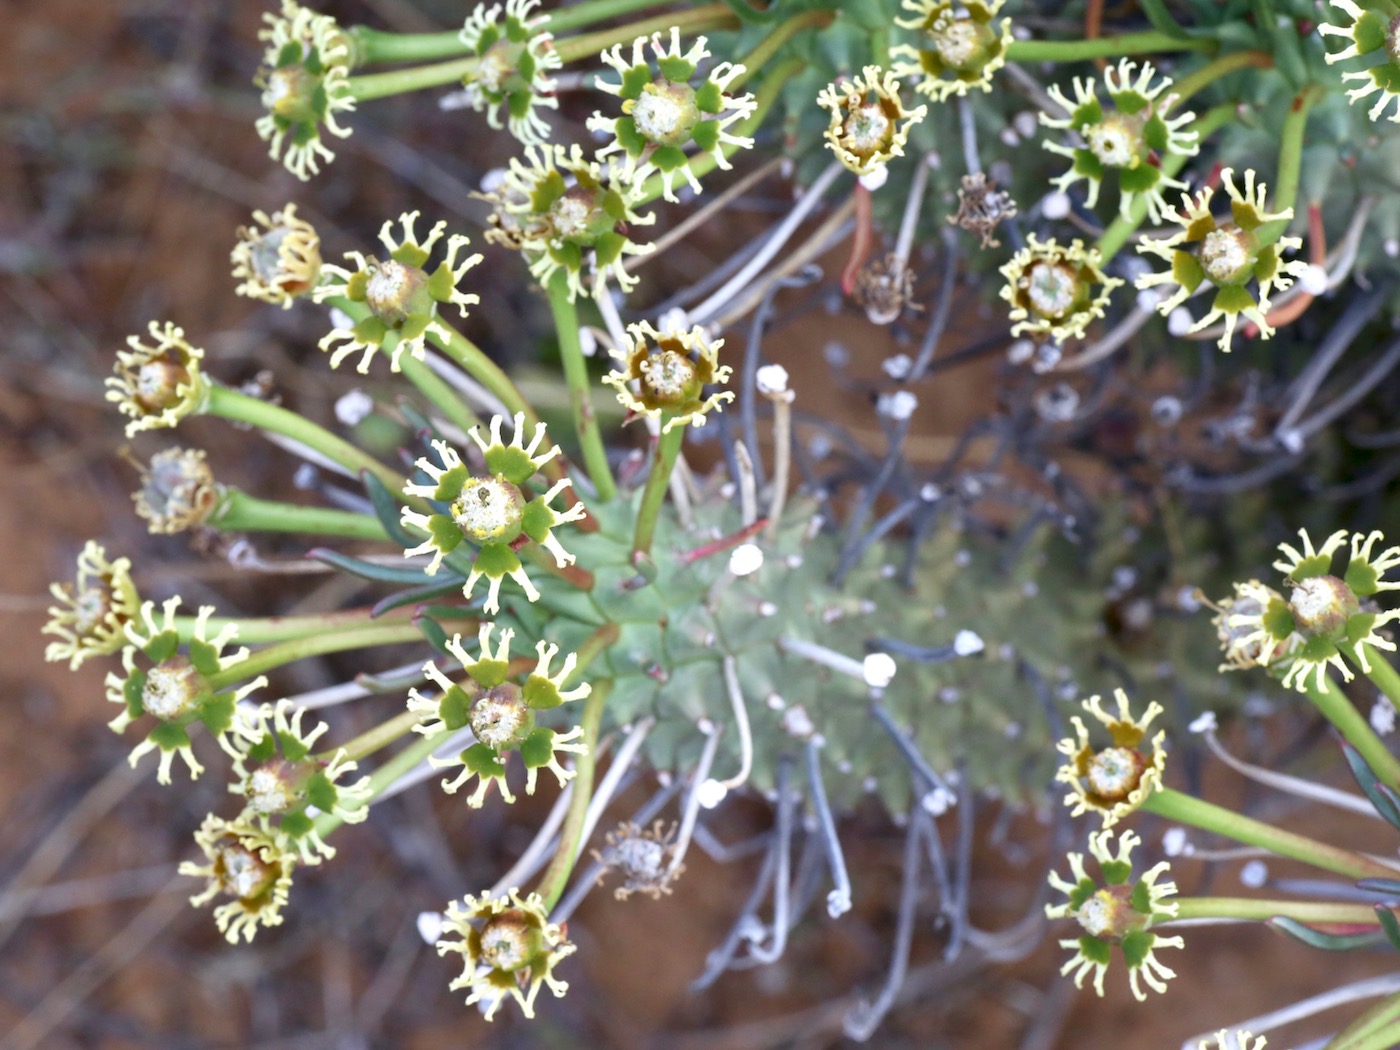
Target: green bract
{"type": "Point", "coordinates": [513, 62]}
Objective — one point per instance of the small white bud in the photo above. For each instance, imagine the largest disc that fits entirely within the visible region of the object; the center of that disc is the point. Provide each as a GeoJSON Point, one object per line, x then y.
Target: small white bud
{"type": "Point", "coordinates": [966, 643]}
{"type": "Point", "coordinates": [340, 320]}
{"type": "Point", "coordinates": [1383, 716]}
{"type": "Point", "coordinates": [1174, 842]}
{"type": "Point", "coordinates": [898, 366]}
{"type": "Point", "coordinates": [878, 670]}
{"type": "Point", "coordinates": [430, 926]}
{"type": "Point", "coordinates": [771, 379]}
{"type": "Point", "coordinates": [1254, 874]}
{"type": "Point", "coordinates": [1314, 280]}
{"type": "Point", "coordinates": [352, 408]}
{"type": "Point", "coordinates": [898, 406]}
{"type": "Point", "coordinates": [1026, 124]}
{"type": "Point", "coordinates": [1204, 723]}
{"type": "Point", "coordinates": [673, 320]}
{"type": "Point", "coordinates": [587, 341]}
{"type": "Point", "coordinates": [1055, 205]}
{"type": "Point", "coordinates": [710, 793]}
{"type": "Point", "coordinates": [876, 178]}
{"type": "Point", "coordinates": [746, 559]}
{"type": "Point", "coordinates": [1179, 321]}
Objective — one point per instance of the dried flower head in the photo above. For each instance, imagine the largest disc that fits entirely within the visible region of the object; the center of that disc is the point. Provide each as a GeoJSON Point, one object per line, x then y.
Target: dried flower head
{"type": "Point", "coordinates": [1131, 139]}
{"type": "Point", "coordinates": [160, 384]}
{"type": "Point", "coordinates": [279, 259]}
{"type": "Point", "coordinates": [1327, 617]}
{"type": "Point", "coordinates": [1119, 911]}
{"type": "Point", "coordinates": [959, 45]}
{"type": "Point", "coordinates": [281, 780]}
{"type": "Point", "coordinates": [1374, 33]}
{"type": "Point", "coordinates": [177, 492]}
{"type": "Point", "coordinates": [1056, 290]}
{"type": "Point", "coordinates": [662, 114]}
{"type": "Point", "coordinates": [402, 296]}
{"type": "Point", "coordinates": [92, 612]}
{"type": "Point", "coordinates": [305, 82]}
{"type": "Point", "coordinates": [176, 688]}
{"type": "Point", "coordinates": [1228, 254]}
{"type": "Point", "coordinates": [491, 511]}
{"type": "Point", "coordinates": [510, 949]}
{"type": "Point", "coordinates": [981, 207]}
{"type": "Point", "coordinates": [514, 59]}
{"type": "Point", "coordinates": [642, 858]}
{"type": "Point", "coordinates": [500, 714]}
{"type": "Point", "coordinates": [884, 287]}
{"type": "Point", "coordinates": [566, 211]}
{"type": "Point", "coordinates": [869, 125]}
{"type": "Point", "coordinates": [1112, 781]}
{"type": "Point", "coordinates": [671, 372]}
{"type": "Point", "coordinates": [1246, 622]}
{"type": "Point", "coordinates": [243, 862]}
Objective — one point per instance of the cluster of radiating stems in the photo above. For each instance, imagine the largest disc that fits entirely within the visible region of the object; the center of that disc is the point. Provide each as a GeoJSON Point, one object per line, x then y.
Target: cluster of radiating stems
{"type": "Point", "coordinates": [295, 638]}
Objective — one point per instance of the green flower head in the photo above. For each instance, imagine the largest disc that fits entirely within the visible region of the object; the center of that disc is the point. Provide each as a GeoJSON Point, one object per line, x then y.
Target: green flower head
{"type": "Point", "coordinates": [177, 689]}
{"type": "Point", "coordinates": [491, 511]}
{"type": "Point", "coordinates": [1246, 622]}
{"type": "Point", "coordinates": [500, 713]}
{"type": "Point", "coordinates": [92, 612]}
{"type": "Point", "coordinates": [285, 785]}
{"type": "Point", "coordinates": [663, 113]}
{"type": "Point", "coordinates": [1117, 910]}
{"type": "Point", "coordinates": [403, 297]}
{"type": "Point", "coordinates": [305, 83]}
{"type": "Point", "coordinates": [1129, 140]}
{"type": "Point", "coordinates": [664, 375]}
{"type": "Point", "coordinates": [244, 863]}
{"type": "Point", "coordinates": [514, 59]}
{"type": "Point", "coordinates": [567, 213]}
{"type": "Point", "coordinates": [959, 45]}
{"type": "Point", "coordinates": [1374, 34]}
{"type": "Point", "coordinates": [1228, 254]}
{"type": "Point", "coordinates": [510, 950]}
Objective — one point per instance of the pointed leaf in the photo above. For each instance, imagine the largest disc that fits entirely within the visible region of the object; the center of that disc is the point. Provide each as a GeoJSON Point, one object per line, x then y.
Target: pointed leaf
{"type": "Point", "coordinates": [368, 570]}
{"type": "Point", "coordinates": [386, 509]}
{"type": "Point", "coordinates": [1317, 938]}
{"type": "Point", "coordinates": [1383, 799]}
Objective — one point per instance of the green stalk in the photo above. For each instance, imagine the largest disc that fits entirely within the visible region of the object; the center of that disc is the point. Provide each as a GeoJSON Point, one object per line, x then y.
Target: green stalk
{"type": "Point", "coordinates": [695, 20]}
{"type": "Point", "coordinates": [556, 876]}
{"type": "Point", "coordinates": [315, 645]}
{"type": "Point", "coordinates": [764, 98]}
{"type": "Point", "coordinates": [240, 408]}
{"type": "Point", "coordinates": [1162, 20]}
{"type": "Point", "coordinates": [585, 14]}
{"type": "Point", "coordinates": [1120, 229]}
{"type": "Point", "coordinates": [401, 81]}
{"type": "Point", "coordinates": [372, 740]}
{"type": "Point", "coordinates": [386, 775]}
{"type": "Point", "coordinates": [763, 52]}
{"type": "Point", "coordinates": [1379, 1018]}
{"type": "Point", "coordinates": [1290, 161]}
{"type": "Point", "coordinates": [1261, 910]}
{"type": "Point", "coordinates": [438, 392]}
{"type": "Point", "coordinates": [264, 629]}
{"type": "Point", "coordinates": [668, 447]}
{"type": "Point", "coordinates": [1144, 43]}
{"type": "Point", "coordinates": [1184, 809]}
{"type": "Point", "coordinates": [240, 512]}
{"type": "Point", "coordinates": [1357, 731]}
{"type": "Point", "coordinates": [1383, 676]}
{"type": "Point", "coordinates": [473, 360]}
{"type": "Point", "coordinates": [1384, 1037]}
{"type": "Point", "coordinates": [1212, 71]}
{"type": "Point", "coordinates": [595, 455]}
{"type": "Point", "coordinates": [374, 47]}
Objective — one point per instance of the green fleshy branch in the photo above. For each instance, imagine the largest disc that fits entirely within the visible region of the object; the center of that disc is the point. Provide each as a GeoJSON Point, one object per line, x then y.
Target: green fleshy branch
{"type": "Point", "coordinates": [372, 740]}
{"type": "Point", "coordinates": [240, 512]}
{"type": "Point", "coordinates": [1380, 1019]}
{"type": "Point", "coordinates": [1252, 909]}
{"type": "Point", "coordinates": [768, 47]}
{"type": "Point", "coordinates": [1207, 816]}
{"type": "Point", "coordinates": [1354, 727]}
{"type": "Point", "coordinates": [401, 81]}
{"type": "Point", "coordinates": [1384, 1036]}
{"type": "Point", "coordinates": [668, 447]}
{"type": "Point", "coordinates": [240, 408]}
{"type": "Point", "coordinates": [370, 47]}
{"type": "Point", "coordinates": [1162, 20]}
{"type": "Point", "coordinates": [1121, 228]}
{"type": "Point", "coordinates": [595, 455]}
{"type": "Point", "coordinates": [1145, 43]}
{"type": "Point", "coordinates": [1212, 71]}
{"type": "Point", "coordinates": [1290, 161]}
{"type": "Point", "coordinates": [315, 645]}
{"type": "Point", "coordinates": [265, 629]}
{"type": "Point", "coordinates": [473, 360]}
{"type": "Point", "coordinates": [561, 866]}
